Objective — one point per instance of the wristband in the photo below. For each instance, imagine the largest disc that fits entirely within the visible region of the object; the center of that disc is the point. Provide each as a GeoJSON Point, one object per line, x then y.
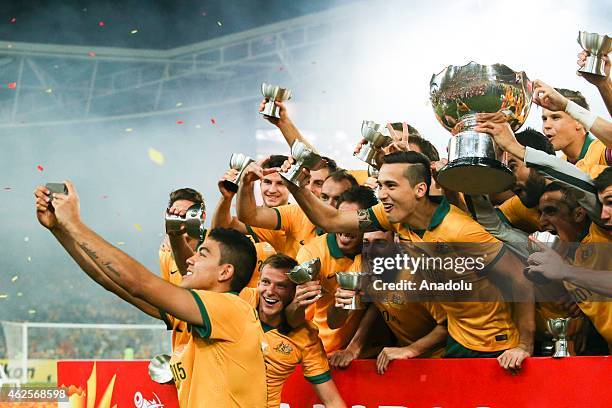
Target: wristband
{"type": "Point", "coordinates": [582, 115]}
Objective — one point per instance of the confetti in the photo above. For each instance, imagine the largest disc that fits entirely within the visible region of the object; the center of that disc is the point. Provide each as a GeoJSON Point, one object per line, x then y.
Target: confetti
{"type": "Point", "coordinates": [104, 196]}
{"type": "Point", "coordinates": [49, 90]}
{"type": "Point", "coordinates": [3, 296]}
{"type": "Point", "coordinates": [120, 243]}
{"type": "Point", "coordinates": [213, 121]}
{"type": "Point", "coordinates": [14, 279]}
{"type": "Point", "coordinates": [219, 23]}
{"type": "Point", "coordinates": [179, 104]}
{"type": "Point", "coordinates": [10, 46]}
{"type": "Point", "coordinates": [26, 239]}
{"type": "Point", "coordinates": [156, 156]}
{"type": "Point", "coordinates": [12, 85]}
{"type": "Point", "coordinates": [29, 259]}
{"type": "Point", "coordinates": [128, 129]}
{"type": "Point", "coordinates": [204, 14]}
{"type": "Point", "coordinates": [280, 68]}
{"type": "Point", "coordinates": [13, 20]}
{"type": "Point", "coordinates": [19, 294]}
{"type": "Point", "coordinates": [179, 122]}
{"type": "Point", "coordinates": [32, 311]}
{"type": "Point", "coordinates": [101, 24]}
{"type": "Point", "coordinates": [7, 188]}
{"type": "Point", "coordinates": [91, 54]}
{"type": "Point", "coordinates": [40, 168]}
{"type": "Point", "coordinates": [198, 126]}
{"type": "Point", "coordinates": [138, 227]}
{"type": "Point", "coordinates": [133, 31]}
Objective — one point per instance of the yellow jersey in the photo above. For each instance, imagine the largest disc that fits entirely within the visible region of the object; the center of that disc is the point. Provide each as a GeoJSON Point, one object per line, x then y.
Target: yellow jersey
{"type": "Point", "coordinates": [516, 214]}
{"type": "Point", "coordinates": [264, 251]}
{"type": "Point", "coordinates": [594, 253]}
{"type": "Point", "coordinates": [222, 362]}
{"type": "Point", "coordinates": [293, 230]}
{"type": "Point", "coordinates": [481, 326]}
{"type": "Point", "coordinates": [592, 159]}
{"type": "Point", "coordinates": [288, 348]}
{"type": "Point", "coordinates": [333, 260]}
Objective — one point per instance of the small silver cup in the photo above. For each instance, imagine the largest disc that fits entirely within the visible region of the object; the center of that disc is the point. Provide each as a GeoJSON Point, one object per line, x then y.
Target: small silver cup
{"type": "Point", "coordinates": [159, 369]}
{"type": "Point", "coordinates": [304, 159]}
{"type": "Point", "coordinates": [274, 93]}
{"type": "Point", "coordinates": [597, 46]}
{"type": "Point", "coordinates": [562, 330]}
{"type": "Point", "coordinates": [194, 225]}
{"type": "Point", "coordinates": [377, 137]}
{"type": "Point", "coordinates": [353, 281]}
{"type": "Point", "coordinates": [239, 162]}
{"type": "Point", "coordinates": [373, 172]}
{"type": "Point", "coordinates": [305, 272]}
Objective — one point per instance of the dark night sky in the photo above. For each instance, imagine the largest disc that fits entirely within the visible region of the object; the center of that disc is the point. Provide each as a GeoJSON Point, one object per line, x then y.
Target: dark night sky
{"type": "Point", "coordinates": [161, 24]}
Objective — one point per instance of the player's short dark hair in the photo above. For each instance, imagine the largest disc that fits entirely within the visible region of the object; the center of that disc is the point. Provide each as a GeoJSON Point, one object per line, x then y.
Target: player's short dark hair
{"type": "Point", "coordinates": [574, 96]}
{"type": "Point", "coordinates": [536, 140]}
{"type": "Point", "coordinates": [185, 194]}
{"type": "Point", "coordinates": [426, 147]}
{"type": "Point", "coordinates": [569, 196]}
{"type": "Point", "coordinates": [604, 180]}
{"type": "Point", "coordinates": [330, 164]}
{"type": "Point", "coordinates": [341, 175]}
{"type": "Point", "coordinates": [237, 250]}
{"type": "Point", "coordinates": [361, 195]}
{"type": "Point", "coordinates": [419, 170]}
{"type": "Point", "coordinates": [276, 160]}
{"type": "Point", "coordinates": [279, 261]}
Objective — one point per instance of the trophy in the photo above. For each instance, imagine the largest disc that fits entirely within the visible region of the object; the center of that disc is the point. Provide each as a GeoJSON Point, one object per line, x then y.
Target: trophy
{"type": "Point", "coordinates": [373, 171]}
{"type": "Point", "coordinates": [353, 281]}
{"type": "Point", "coordinates": [192, 222]}
{"type": "Point", "coordinates": [159, 369]}
{"type": "Point", "coordinates": [457, 94]}
{"type": "Point", "coordinates": [596, 46]}
{"type": "Point", "coordinates": [377, 137]}
{"type": "Point", "coordinates": [304, 159]}
{"type": "Point", "coordinates": [305, 272]}
{"type": "Point", "coordinates": [239, 162]}
{"type": "Point", "coordinates": [273, 93]}
{"type": "Point", "coordinates": [562, 330]}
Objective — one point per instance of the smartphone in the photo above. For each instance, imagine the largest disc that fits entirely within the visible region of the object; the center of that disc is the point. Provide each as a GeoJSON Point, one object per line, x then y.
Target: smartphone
{"type": "Point", "coordinates": [57, 188]}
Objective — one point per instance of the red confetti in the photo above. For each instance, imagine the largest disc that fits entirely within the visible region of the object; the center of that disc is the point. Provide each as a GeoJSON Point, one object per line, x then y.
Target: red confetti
{"type": "Point", "coordinates": [12, 85]}
{"type": "Point", "coordinates": [13, 20]}
{"type": "Point", "coordinates": [91, 54]}
{"type": "Point", "coordinates": [213, 121]}
{"type": "Point", "coordinates": [40, 168]}
{"type": "Point", "coordinates": [179, 122]}
{"type": "Point", "coordinates": [101, 23]}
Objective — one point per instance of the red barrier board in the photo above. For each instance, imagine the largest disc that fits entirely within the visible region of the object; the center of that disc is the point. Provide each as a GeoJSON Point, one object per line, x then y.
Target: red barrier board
{"type": "Point", "coordinates": [456, 383]}
{"type": "Point", "coordinates": [114, 383]}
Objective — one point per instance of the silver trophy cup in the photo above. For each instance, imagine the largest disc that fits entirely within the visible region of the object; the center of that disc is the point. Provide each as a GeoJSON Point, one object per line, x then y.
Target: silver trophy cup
{"type": "Point", "coordinates": [353, 281]}
{"type": "Point", "coordinates": [305, 272]}
{"type": "Point", "coordinates": [597, 46]}
{"type": "Point", "coordinates": [457, 94]}
{"type": "Point", "coordinates": [373, 172]}
{"type": "Point", "coordinates": [562, 330]}
{"type": "Point", "coordinates": [193, 222]}
{"type": "Point", "coordinates": [273, 93]}
{"type": "Point", "coordinates": [304, 159]}
{"type": "Point", "coordinates": [377, 137]}
{"type": "Point", "coordinates": [159, 369]}
{"type": "Point", "coordinates": [239, 162]}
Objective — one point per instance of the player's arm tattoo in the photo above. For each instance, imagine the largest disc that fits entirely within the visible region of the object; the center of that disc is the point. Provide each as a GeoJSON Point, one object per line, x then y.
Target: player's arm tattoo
{"type": "Point", "coordinates": [366, 224]}
{"type": "Point", "coordinates": [94, 257]}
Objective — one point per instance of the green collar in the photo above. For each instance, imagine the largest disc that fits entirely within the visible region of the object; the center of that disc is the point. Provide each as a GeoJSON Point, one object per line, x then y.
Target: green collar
{"type": "Point", "coordinates": [585, 147]}
{"type": "Point", "coordinates": [437, 217]}
{"type": "Point", "coordinates": [283, 328]}
{"type": "Point", "coordinates": [231, 292]}
{"type": "Point", "coordinates": [334, 249]}
{"type": "Point", "coordinates": [319, 231]}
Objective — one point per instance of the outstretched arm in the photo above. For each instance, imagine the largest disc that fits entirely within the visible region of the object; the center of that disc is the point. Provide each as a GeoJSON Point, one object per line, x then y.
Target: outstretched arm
{"type": "Point", "coordinates": [246, 206]}
{"type": "Point", "coordinates": [123, 270]}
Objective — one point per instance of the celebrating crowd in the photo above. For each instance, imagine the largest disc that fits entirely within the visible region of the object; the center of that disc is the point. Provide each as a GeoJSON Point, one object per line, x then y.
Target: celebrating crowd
{"type": "Point", "coordinates": [240, 325]}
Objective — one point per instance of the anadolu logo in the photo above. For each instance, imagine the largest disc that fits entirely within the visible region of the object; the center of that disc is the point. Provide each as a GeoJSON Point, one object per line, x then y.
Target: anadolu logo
{"type": "Point", "coordinates": [141, 402]}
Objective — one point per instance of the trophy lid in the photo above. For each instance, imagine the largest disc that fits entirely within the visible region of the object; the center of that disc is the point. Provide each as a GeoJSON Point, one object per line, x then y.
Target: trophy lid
{"type": "Point", "coordinates": [599, 44]}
